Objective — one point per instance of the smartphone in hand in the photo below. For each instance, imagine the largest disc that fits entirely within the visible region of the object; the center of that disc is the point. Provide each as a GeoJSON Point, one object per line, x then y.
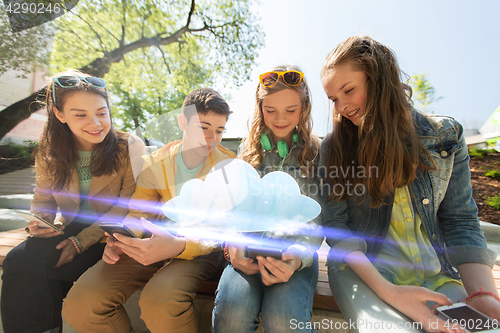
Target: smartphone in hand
{"type": "Point", "coordinates": [41, 222]}
{"type": "Point", "coordinates": [115, 227]}
{"type": "Point", "coordinates": [254, 250]}
{"type": "Point", "coordinates": [468, 318]}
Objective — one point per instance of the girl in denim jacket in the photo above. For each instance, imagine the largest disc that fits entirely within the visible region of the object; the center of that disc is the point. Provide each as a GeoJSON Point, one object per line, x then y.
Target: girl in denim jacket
{"type": "Point", "coordinates": [401, 214]}
{"type": "Point", "coordinates": [281, 290]}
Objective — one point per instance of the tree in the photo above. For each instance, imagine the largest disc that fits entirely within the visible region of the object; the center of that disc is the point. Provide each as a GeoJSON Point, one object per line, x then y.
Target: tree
{"type": "Point", "coordinates": [22, 51]}
{"type": "Point", "coordinates": [151, 52]}
{"type": "Point", "coordinates": [143, 87]}
{"type": "Point", "coordinates": [423, 91]}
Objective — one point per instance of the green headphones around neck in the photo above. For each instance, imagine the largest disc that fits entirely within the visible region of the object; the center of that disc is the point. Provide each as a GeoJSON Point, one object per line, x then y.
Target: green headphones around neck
{"type": "Point", "coordinates": [282, 145]}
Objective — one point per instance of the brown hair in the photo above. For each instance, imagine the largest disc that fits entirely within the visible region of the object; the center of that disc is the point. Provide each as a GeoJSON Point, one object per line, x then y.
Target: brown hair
{"type": "Point", "coordinates": [253, 149]}
{"type": "Point", "coordinates": [57, 148]}
{"type": "Point", "coordinates": [206, 100]}
{"type": "Point", "coordinates": [386, 137]}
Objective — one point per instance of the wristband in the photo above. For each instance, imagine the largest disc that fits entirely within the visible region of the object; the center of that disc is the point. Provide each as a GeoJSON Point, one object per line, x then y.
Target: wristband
{"type": "Point", "coordinates": [477, 294]}
{"type": "Point", "coordinates": [76, 244]}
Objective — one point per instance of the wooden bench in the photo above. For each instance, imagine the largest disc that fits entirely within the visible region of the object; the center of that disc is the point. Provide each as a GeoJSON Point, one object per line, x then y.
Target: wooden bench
{"type": "Point", "coordinates": [10, 239]}
{"type": "Point", "coordinates": [323, 298]}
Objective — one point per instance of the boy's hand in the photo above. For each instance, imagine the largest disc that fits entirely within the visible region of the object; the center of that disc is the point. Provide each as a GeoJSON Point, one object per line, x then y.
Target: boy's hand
{"type": "Point", "coordinates": [281, 270]}
{"type": "Point", "coordinates": [111, 252]}
{"type": "Point", "coordinates": [161, 246]}
{"type": "Point", "coordinates": [240, 262]}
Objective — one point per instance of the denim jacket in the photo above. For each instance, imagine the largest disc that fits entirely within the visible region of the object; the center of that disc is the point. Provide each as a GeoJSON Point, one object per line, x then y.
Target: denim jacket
{"type": "Point", "coordinates": [309, 240]}
{"type": "Point", "coordinates": [442, 198]}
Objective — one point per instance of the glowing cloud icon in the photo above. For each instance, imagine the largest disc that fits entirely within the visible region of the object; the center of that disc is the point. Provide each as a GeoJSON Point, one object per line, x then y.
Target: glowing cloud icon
{"type": "Point", "coordinates": [233, 197]}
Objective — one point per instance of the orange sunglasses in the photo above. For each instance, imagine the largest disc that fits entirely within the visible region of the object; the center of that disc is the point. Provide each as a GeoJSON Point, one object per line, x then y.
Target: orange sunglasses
{"type": "Point", "coordinates": [291, 78]}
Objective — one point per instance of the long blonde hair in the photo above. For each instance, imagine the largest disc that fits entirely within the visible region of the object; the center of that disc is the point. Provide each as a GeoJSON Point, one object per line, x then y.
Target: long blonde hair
{"type": "Point", "coordinates": [253, 149]}
{"type": "Point", "coordinates": [386, 137]}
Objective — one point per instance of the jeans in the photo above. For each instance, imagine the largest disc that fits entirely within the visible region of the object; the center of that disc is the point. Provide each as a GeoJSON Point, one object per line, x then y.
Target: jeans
{"type": "Point", "coordinates": [240, 298]}
{"type": "Point", "coordinates": [32, 290]}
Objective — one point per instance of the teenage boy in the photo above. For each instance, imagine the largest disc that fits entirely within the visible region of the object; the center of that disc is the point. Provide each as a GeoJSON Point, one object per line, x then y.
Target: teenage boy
{"type": "Point", "coordinates": [169, 268]}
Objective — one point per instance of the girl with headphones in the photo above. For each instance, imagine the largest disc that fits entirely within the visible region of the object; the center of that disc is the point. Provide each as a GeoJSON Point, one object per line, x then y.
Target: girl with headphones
{"type": "Point", "coordinates": [281, 287]}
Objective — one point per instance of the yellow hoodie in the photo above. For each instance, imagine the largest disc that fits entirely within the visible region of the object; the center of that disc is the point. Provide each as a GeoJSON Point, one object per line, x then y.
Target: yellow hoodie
{"type": "Point", "coordinates": [156, 185]}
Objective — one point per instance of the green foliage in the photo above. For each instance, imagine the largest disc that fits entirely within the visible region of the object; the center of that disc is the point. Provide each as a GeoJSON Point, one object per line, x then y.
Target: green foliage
{"type": "Point", "coordinates": [476, 152]}
{"type": "Point", "coordinates": [22, 151]}
{"type": "Point", "coordinates": [480, 153]}
{"type": "Point", "coordinates": [164, 127]}
{"type": "Point", "coordinates": [147, 80]}
{"type": "Point", "coordinates": [494, 202]}
{"type": "Point", "coordinates": [139, 96]}
{"type": "Point", "coordinates": [24, 50]}
{"type": "Point", "coordinates": [492, 173]}
{"type": "Point", "coordinates": [423, 91]}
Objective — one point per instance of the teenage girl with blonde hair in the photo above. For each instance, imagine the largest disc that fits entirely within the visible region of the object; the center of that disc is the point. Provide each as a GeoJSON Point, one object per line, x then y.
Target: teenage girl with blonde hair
{"type": "Point", "coordinates": [280, 138]}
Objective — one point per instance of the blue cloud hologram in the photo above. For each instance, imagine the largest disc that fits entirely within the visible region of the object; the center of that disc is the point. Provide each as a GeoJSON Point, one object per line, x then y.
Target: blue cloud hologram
{"type": "Point", "coordinates": [233, 197]}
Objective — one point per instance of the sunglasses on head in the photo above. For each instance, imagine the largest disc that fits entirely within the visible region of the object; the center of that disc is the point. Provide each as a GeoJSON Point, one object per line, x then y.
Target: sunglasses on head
{"type": "Point", "coordinates": [74, 81]}
{"type": "Point", "coordinates": [291, 78]}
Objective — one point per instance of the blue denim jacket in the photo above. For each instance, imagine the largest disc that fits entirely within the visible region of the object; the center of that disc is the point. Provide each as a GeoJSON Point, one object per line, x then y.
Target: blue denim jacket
{"type": "Point", "coordinates": [442, 198]}
{"type": "Point", "coordinates": [311, 237]}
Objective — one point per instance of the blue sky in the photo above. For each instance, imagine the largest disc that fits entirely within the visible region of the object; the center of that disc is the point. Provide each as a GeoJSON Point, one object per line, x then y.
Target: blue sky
{"type": "Point", "coordinates": [457, 42]}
